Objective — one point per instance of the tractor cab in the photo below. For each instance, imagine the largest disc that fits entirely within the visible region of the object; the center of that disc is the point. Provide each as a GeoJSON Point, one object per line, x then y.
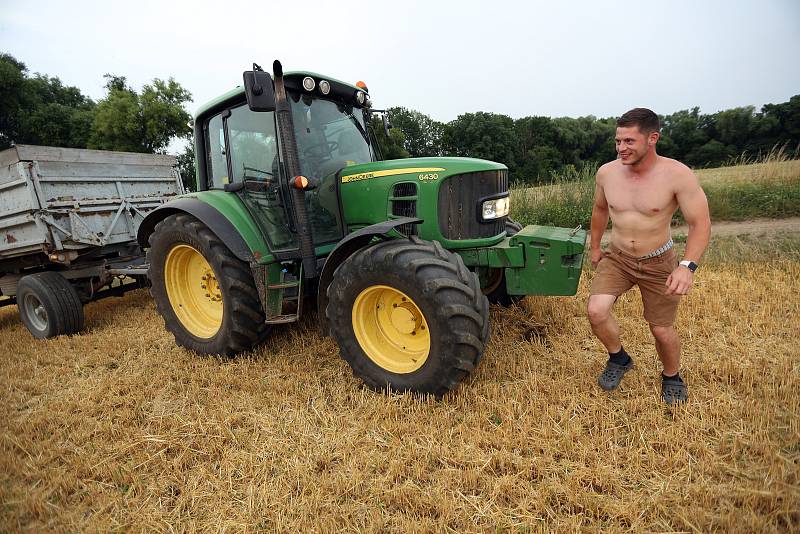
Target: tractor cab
{"type": "Point", "coordinates": [242, 147]}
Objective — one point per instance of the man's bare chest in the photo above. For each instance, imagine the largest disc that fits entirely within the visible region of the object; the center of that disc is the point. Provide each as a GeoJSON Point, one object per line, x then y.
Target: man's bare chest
{"type": "Point", "coordinates": [644, 198]}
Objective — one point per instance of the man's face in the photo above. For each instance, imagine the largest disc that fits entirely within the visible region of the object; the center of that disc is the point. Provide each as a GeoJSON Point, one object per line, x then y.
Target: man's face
{"type": "Point", "coordinates": [632, 144]}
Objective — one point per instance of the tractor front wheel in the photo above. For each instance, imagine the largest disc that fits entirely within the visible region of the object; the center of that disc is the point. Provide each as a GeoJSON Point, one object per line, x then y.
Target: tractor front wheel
{"type": "Point", "coordinates": [408, 315]}
{"type": "Point", "coordinates": [205, 294]}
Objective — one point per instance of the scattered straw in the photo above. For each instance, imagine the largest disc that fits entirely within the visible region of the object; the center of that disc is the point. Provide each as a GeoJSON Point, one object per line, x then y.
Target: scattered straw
{"type": "Point", "coordinates": [118, 429]}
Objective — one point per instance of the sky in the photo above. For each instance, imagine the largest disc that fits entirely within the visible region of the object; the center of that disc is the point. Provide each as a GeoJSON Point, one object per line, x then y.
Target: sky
{"type": "Point", "coordinates": [521, 58]}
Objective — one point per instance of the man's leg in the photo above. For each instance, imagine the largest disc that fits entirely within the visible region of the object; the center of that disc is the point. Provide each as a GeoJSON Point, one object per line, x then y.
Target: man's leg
{"type": "Point", "coordinates": [604, 326]}
{"type": "Point", "coordinates": [668, 347]}
{"type": "Point", "coordinates": [606, 329]}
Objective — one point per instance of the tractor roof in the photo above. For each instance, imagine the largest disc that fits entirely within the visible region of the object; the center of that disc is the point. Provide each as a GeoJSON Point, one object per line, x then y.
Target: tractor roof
{"type": "Point", "coordinates": [239, 90]}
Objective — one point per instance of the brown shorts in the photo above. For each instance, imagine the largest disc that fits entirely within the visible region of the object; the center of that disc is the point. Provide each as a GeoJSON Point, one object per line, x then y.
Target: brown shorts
{"type": "Point", "coordinates": [617, 272]}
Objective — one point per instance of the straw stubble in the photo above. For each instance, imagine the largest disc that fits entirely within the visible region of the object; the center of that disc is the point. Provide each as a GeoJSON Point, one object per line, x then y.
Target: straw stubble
{"type": "Point", "coordinates": [117, 428]}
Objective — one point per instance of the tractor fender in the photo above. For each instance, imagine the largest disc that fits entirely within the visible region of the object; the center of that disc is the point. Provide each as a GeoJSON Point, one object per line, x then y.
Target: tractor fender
{"type": "Point", "coordinates": [346, 248]}
{"type": "Point", "coordinates": [205, 213]}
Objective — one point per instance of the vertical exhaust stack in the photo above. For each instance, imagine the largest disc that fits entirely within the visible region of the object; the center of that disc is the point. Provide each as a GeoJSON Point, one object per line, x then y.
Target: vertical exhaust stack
{"type": "Point", "coordinates": [283, 115]}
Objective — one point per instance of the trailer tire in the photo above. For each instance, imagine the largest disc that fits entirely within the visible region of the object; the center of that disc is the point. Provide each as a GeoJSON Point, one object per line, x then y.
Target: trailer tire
{"type": "Point", "coordinates": [204, 293]}
{"type": "Point", "coordinates": [408, 315]}
{"type": "Point", "coordinates": [48, 305]}
{"type": "Point", "coordinates": [496, 290]}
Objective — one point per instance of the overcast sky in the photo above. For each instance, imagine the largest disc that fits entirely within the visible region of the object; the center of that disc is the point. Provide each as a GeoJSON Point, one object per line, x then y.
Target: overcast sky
{"type": "Point", "coordinates": [569, 58]}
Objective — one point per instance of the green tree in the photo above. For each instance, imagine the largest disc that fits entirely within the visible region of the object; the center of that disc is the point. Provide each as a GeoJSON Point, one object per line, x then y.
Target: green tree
{"type": "Point", "coordinates": [686, 131]}
{"type": "Point", "coordinates": [140, 122]}
{"type": "Point", "coordinates": [422, 136]}
{"type": "Point", "coordinates": [784, 124]}
{"type": "Point", "coordinates": [482, 135]}
{"type": "Point", "coordinates": [40, 109]}
{"type": "Point", "coordinates": [391, 146]}
{"type": "Point", "coordinates": [12, 82]}
{"type": "Point", "coordinates": [186, 167]}
{"type": "Point", "coordinates": [536, 151]}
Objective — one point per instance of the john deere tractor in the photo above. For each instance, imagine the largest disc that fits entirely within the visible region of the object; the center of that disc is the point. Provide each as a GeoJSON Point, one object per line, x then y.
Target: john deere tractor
{"type": "Point", "coordinates": [295, 202]}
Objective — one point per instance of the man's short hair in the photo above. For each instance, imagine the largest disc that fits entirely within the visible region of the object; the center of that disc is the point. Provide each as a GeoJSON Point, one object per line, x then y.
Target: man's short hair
{"type": "Point", "coordinates": [645, 119]}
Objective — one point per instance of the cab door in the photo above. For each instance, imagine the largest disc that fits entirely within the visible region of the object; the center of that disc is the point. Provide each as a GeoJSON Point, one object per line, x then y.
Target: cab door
{"type": "Point", "coordinates": [245, 141]}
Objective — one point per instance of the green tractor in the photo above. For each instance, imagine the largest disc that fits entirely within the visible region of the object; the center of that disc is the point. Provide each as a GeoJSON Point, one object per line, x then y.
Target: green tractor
{"type": "Point", "coordinates": [294, 201]}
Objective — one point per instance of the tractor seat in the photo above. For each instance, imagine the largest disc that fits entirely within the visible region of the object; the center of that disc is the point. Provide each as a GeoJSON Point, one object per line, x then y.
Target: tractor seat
{"type": "Point", "coordinates": [350, 145]}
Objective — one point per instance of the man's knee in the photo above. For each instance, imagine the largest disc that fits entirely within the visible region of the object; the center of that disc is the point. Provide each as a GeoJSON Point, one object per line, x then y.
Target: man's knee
{"type": "Point", "coordinates": [663, 333]}
{"type": "Point", "coordinates": [599, 308]}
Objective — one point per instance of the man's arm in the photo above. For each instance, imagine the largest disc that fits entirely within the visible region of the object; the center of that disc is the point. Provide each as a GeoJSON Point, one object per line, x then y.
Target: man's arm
{"type": "Point", "coordinates": [694, 206]}
{"type": "Point", "coordinates": [599, 219]}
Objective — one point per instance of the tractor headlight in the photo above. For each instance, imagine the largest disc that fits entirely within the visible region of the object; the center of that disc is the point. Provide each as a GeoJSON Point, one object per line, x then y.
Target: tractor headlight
{"type": "Point", "coordinates": [324, 87]}
{"type": "Point", "coordinates": [308, 83]}
{"type": "Point", "coordinates": [360, 97]}
{"type": "Point", "coordinates": [494, 208]}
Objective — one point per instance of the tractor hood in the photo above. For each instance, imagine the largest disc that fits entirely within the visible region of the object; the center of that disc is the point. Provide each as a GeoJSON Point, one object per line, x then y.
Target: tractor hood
{"type": "Point", "coordinates": [446, 193]}
{"type": "Point", "coordinates": [418, 169]}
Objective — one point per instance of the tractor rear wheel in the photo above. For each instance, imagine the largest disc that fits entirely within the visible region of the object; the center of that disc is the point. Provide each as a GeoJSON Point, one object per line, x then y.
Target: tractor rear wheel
{"type": "Point", "coordinates": [408, 315]}
{"type": "Point", "coordinates": [48, 305]}
{"type": "Point", "coordinates": [495, 289]}
{"type": "Point", "coordinates": [204, 293]}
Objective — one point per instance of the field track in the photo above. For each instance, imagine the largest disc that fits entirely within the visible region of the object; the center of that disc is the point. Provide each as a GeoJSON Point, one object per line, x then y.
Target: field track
{"type": "Point", "coordinates": [117, 428]}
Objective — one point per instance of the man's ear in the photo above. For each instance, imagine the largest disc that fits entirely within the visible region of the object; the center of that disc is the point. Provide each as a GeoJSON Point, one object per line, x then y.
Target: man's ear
{"type": "Point", "coordinates": [653, 138]}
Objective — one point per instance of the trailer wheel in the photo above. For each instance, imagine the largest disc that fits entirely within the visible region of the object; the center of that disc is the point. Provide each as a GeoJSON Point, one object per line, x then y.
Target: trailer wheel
{"type": "Point", "coordinates": [48, 305]}
{"type": "Point", "coordinates": [205, 294]}
{"type": "Point", "coordinates": [495, 289]}
{"type": "Point", "coordinates": [408, 315]}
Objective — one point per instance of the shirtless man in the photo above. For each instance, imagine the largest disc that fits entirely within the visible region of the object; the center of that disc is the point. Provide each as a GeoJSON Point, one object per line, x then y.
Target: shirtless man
{"type": "Point", "coordinates": [641, 191]}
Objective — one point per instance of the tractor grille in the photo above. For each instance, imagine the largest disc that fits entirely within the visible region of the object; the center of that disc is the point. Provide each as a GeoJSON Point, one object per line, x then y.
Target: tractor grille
{"type": "Point", "coordinates": [405, 207]}
{"type": "Point", "coordinates": [458, 204]}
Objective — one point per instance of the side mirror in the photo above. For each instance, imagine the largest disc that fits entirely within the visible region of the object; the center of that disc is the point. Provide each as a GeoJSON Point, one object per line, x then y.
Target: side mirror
{"type": "Point", "coordinates": [259, 89]}
{"type": "Point", "coordinates": [386, 125]}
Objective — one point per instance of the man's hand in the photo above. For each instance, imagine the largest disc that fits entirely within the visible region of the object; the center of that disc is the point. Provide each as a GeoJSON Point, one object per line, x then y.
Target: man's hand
{"type": "Point", "coordinates": [680, 281]}
{"type": "Point", "coordinates": [596, 256]}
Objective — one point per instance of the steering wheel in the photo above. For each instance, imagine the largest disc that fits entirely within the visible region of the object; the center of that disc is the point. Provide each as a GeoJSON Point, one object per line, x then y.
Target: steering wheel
{"type": "Point", "coordinates": [320, 150]}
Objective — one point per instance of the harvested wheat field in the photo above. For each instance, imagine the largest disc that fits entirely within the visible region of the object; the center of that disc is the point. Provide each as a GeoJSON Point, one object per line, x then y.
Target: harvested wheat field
{"type": "Point", "coordinates": [118, 429]}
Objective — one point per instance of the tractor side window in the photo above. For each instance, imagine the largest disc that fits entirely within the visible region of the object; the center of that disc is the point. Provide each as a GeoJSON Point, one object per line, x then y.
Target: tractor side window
{"type": "Point", "coordinates": [254, 160]}
{"type": "Point", "coordinates": [253, 145]}
{"type": "Point", "coordinates": [215, 153]}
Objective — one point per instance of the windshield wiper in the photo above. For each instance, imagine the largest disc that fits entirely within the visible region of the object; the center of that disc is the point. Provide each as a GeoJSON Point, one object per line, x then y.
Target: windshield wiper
{"type": "Point", "coordinates": [361, 129]}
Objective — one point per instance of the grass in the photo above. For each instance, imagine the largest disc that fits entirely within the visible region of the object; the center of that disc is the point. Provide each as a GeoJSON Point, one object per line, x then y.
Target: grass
{"type": "Point", "coordinates": [766, 188]}
{"type": "Point", "coordinates": [119, 429]}
{"type": "Point", "coordinates": [749, 248]}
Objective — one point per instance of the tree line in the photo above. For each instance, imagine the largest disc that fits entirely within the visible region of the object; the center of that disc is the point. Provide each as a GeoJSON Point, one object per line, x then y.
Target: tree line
{"type": "Point", "coordinates": [534, 148]}
{"type": "Point", "coordinates": [39, 109]}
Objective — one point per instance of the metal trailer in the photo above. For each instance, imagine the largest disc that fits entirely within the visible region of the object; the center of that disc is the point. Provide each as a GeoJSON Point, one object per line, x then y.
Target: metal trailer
{"type": "Point", "coordinates": [68, 224]}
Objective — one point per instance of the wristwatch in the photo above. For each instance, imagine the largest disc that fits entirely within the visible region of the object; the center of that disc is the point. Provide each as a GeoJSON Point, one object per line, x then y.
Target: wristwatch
{"type": "Point", "coordinates": [692, 266]}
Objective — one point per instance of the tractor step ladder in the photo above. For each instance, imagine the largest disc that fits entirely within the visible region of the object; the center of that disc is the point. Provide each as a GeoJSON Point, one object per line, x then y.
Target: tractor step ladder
{"type": "Point", "coordinates": [282, 316]}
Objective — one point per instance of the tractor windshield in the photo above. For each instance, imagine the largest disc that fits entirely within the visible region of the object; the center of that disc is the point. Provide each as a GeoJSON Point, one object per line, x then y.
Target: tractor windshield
{"type": "Point", "coordinates": [330, 135]}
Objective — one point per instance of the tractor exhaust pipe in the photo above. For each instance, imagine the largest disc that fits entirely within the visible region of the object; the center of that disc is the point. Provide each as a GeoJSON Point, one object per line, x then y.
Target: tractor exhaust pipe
{"type": "Point", "coordinates": [283, 116]}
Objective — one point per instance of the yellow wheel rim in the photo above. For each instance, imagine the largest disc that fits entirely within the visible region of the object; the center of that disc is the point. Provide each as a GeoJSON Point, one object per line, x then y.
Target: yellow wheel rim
{"type": "Point", "coordinates": [391, 329]}
{"type": "Point", "coordinates": [193, 291]}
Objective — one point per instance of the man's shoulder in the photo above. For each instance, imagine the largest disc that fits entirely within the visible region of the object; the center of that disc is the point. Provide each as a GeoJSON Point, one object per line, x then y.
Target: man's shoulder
{"type": "Point", "coordinates": [681, 177]}
{"type": "Point", "coordinates": [673, 165]}
{"type": "Point", "coordinates": [609, 168]}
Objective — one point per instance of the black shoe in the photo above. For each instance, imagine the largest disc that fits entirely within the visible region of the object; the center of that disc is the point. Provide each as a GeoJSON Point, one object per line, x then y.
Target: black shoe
{"type": "Point", "coordinates": [612, 375]}
{"type": "Point", "coordinates": [674, 390]}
